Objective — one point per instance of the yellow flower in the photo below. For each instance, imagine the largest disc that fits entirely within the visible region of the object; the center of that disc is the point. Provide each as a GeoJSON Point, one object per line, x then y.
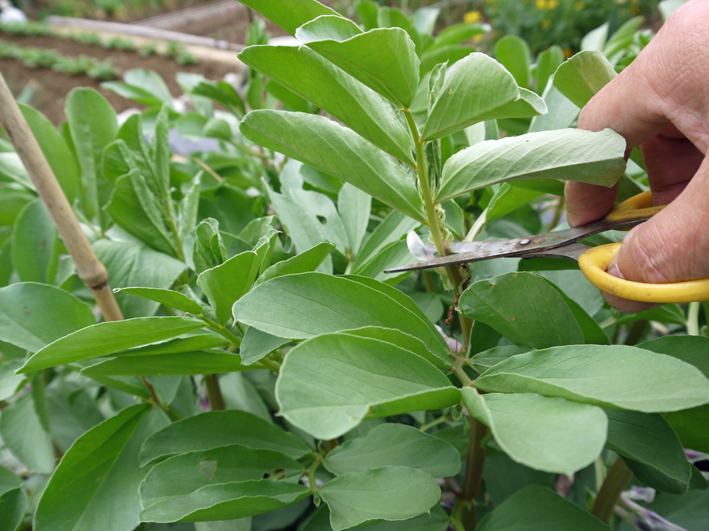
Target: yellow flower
{"type": "Point", "coordinates": [541, 4]}
{"type": "Point", "coordinates": [568, 52]}
{"type": "Point", "coordinates": [477, 38]}
{"type": "Point", "coordinates": [578, 6]}
{"type": "Point", "coordinates": [471, 17]}
{"type": "Point", "coordinates": [552, 4]}
{"type": "Point", "coordinates": [546, 23]}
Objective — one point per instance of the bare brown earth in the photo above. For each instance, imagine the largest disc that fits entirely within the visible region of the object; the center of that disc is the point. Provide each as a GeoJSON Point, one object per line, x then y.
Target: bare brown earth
{"type": "Point", "coordinates": [53, 87]}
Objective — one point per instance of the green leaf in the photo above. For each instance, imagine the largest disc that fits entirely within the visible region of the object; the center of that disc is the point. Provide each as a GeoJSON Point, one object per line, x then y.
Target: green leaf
{"type": "Point", "coordinates": [33, 244]}
{"type": "Point", "coordinates": [133, 265]}
{"type": "Point", "coordinates": [256, 345]}
{"type": "Point", "coordinates": [569, 154]}
{"type": "Point", "coordinates": [394, 227]}
{"type": "Point", "coordinates": [329, 147]}
{"type": "Point", "coordinates": [168, 297]}
{"type": "Point", "coordinates": [200, 339]}
{"type": "Point", "coordinates": [389, 493]}
{"type": "Point", "coordinates": [108, 338]}
{"type": "Point", "coordinates": [491, 357]}
{"type": "Point", "coordinates": [690, 349]}
{"type": "Point", "coordinates": [221, 428]}
{"type": "Point", "coordinates": [226, 501]}
{"type": "Point", "coordinates": [534, 508]}
{"type": "Point", "coordinates": [450, 54]}
{"type": "Point", "coordinates": [288, 14]}
{"type": "Point", "coordinates": [26, 436]}
{"type": "Point", "coordinates": [12, 169]}
{"type": "Point", "coordinates": [548, 434]}
{"type": "Point", "coordinates": [9, 381]}
{"type": "Point", "coordinates": [185, 473]}
{"type": "Point", "coordinates": [8, 481]}
{"type": "Point", "coordinates": [474, 88]}
{"type": "Point", "coordinates": [395, 445]}
{"type": "Point", "coordinates": [382, 59]}
{"type": "Point", "coordinates": [547, 63]}
{"type": "Point", "coordinates": [396, 254]}
{"type": "Point", "coordinates": [34, 315]}
{"type": "Point", "coordinates": [524, 308]}
{"type": "Point", "coordinates": [457, 34]}
{"type": "Point", "coordinates": [583, 75]}
{"type": "Point", "coordinates": [135, 208]}
{"type": "Point", "coordinates": [227, 283]}
{"type": "Point", "coordinates": [354, 207]}
{"type": "Point", "coordinates": [608, 376]}
{"type": "Point", "coordinates": [13, 506]}
{"type": "Point", "coordinates": [97, 479]}
{"type": "Point", "coordinates": [55, 150]}
{"type": "Point", "coordinates": [301, 263]}
{"type": "Point", "coordinates": [561, 112]}
{"type": "Point", "coordinates": [513, 53]}
{"type": "Point", "coordinates": [508, 199]}
{"type": "Point", "coordinates": [650, 448]}
{"type": "Point", "coordinates": [310, 304]}
{"type": "Point", "coordinates": [437, 520]}
{"type": "Point", "coordinates": [93, 126]}
{"type": "Point", "coordinates": [196, 362]}
{"type": "Point", "coordinates": [330, 383]}
{"type": "Point", "coordinates": [314, 78]}
{"type": "Point", "coordinates": [690, 426]}
{"type": "Point", "coordinates": [327, 27]}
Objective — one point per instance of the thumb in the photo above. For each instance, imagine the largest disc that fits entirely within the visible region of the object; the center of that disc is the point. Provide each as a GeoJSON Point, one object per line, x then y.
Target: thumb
{"type": "Point", "coordinates": [673, 246]}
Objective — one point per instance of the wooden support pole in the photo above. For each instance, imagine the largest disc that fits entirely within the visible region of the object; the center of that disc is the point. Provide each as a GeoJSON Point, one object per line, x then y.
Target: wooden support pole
{"type": "Point", "coordinates": [90, 270]}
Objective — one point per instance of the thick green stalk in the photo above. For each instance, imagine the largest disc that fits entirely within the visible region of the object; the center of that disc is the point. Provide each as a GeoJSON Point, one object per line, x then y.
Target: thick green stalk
{"type": "Point", "coordinates": [609, 494]}
{"type": "Point", "coordinates": [693, 319]}
{"type": "Point", "coordinates": [214, 392]}
{"type": "Point", "coordinates": [464, 510]}
{"type": "Point", "coordinates": [219, 329]}
{"type": "Point", "coordinates": [425, 187]}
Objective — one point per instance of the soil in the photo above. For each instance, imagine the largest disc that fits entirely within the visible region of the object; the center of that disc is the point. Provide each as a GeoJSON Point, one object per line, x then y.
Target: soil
{"type": "Point", "coordinates": [51, 88]}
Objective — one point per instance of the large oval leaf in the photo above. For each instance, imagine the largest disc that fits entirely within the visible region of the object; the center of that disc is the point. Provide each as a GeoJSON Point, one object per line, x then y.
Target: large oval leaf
{"type": "Point", "coordinates": [330, 383]}
{"type": "Point", "coordinates": [107, 338]}
{"type": "Point", "coordinates": [309, 304]}
{"type": "Point", "coordinates": [535, 508]}
{"type": "Point", "coordinates": [473, 90]}
{"type": "Point", "coordinates": [96, 483]}
{"type": "Point", "coordinates": [221, 428]}
{"type": "Point", "coordinates": [320, 142]}
{"type": "Point", "coordinates": [395, 445]}
{"type": "Point", "coordinates": [33, 315]}
{"type": "Point", "coordinates": [389, 493]}
{"type": "Point", "coordinates": [384, 59]}
{"type": "Point", "coordinates": [287, 14]}
{"type": "Point", "coordinates": [524, 308]}
{"type": "Point", "coordinates": [314, 78]}
{"type": "Point", "coordinates": [185, 473]}
{"type": "Point", "coordinates": [549, 434]}
{"type": "Point", "coordinates": [226, 501]}
{"type": "Point", "coordinates": [650, 448]}
{"type": "Point", "coordinates": [608, 376]}
{"type": "Point", "coordinates": [569, 154]}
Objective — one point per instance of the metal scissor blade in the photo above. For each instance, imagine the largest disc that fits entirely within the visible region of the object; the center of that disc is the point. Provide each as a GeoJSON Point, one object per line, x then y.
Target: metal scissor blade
{"type": "Point", "coordinates": [520, 247]}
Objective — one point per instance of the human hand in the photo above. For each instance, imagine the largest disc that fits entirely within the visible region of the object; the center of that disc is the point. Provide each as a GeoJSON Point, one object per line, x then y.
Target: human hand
{"type": "Point", "coordinates": [660, 103]}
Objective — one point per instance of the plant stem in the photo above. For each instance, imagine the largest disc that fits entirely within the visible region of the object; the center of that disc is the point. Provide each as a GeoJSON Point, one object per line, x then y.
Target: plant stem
{"type": "Point", "coordinates": [214, 392]}
{"type": "Point", "coordinates": [271, 365]}
{"type": "Point", "coordinates": [557, 213]}
{"type": "Point", "coordinates": [617, 479]}
{"type": "Point", "coordinates": [223, 330]}
{"type": "Point", "coordinates": [439, 420]}
{"type": "Point", "coordinates": [693, 319]}
{"type": "Point", "coordinates": [637, 329]}
{"type": "Point", "coordinates": [465, 505]}
{"type": "Point", "coordinates": [425, 187]}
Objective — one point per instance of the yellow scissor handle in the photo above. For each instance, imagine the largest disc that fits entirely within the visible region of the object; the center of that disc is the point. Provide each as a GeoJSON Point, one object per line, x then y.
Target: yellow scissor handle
{"type": "Point", "coordinates": [594, 263]}
{"type": "Point", "coordinates": [637, 206]}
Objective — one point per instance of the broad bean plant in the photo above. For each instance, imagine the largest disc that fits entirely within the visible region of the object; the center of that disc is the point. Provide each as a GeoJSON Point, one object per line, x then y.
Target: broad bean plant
{"type": "Point", "coordinates": [268, 374]}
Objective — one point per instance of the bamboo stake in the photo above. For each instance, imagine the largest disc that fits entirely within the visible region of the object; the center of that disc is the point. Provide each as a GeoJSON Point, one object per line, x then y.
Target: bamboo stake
{"type": "Point", "coordinates": [90, 270]}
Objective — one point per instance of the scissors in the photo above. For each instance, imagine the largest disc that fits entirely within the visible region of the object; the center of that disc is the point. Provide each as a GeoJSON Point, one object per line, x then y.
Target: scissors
{"type": "Point", "coordinates": [593, 261]}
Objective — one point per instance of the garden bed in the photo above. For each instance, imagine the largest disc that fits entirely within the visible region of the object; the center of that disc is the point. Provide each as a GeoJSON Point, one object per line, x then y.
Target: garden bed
{"type": "Point", "coordinates": [52, 87]}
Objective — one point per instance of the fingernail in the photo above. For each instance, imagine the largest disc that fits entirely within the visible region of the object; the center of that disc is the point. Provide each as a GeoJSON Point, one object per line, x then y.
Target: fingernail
{"type": "Point", "coordinates": [615, 271]}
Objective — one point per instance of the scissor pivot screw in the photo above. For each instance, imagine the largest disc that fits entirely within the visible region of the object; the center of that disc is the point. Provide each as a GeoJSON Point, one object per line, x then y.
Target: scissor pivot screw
{"type": "Point", "coordinates": [526, 241]}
